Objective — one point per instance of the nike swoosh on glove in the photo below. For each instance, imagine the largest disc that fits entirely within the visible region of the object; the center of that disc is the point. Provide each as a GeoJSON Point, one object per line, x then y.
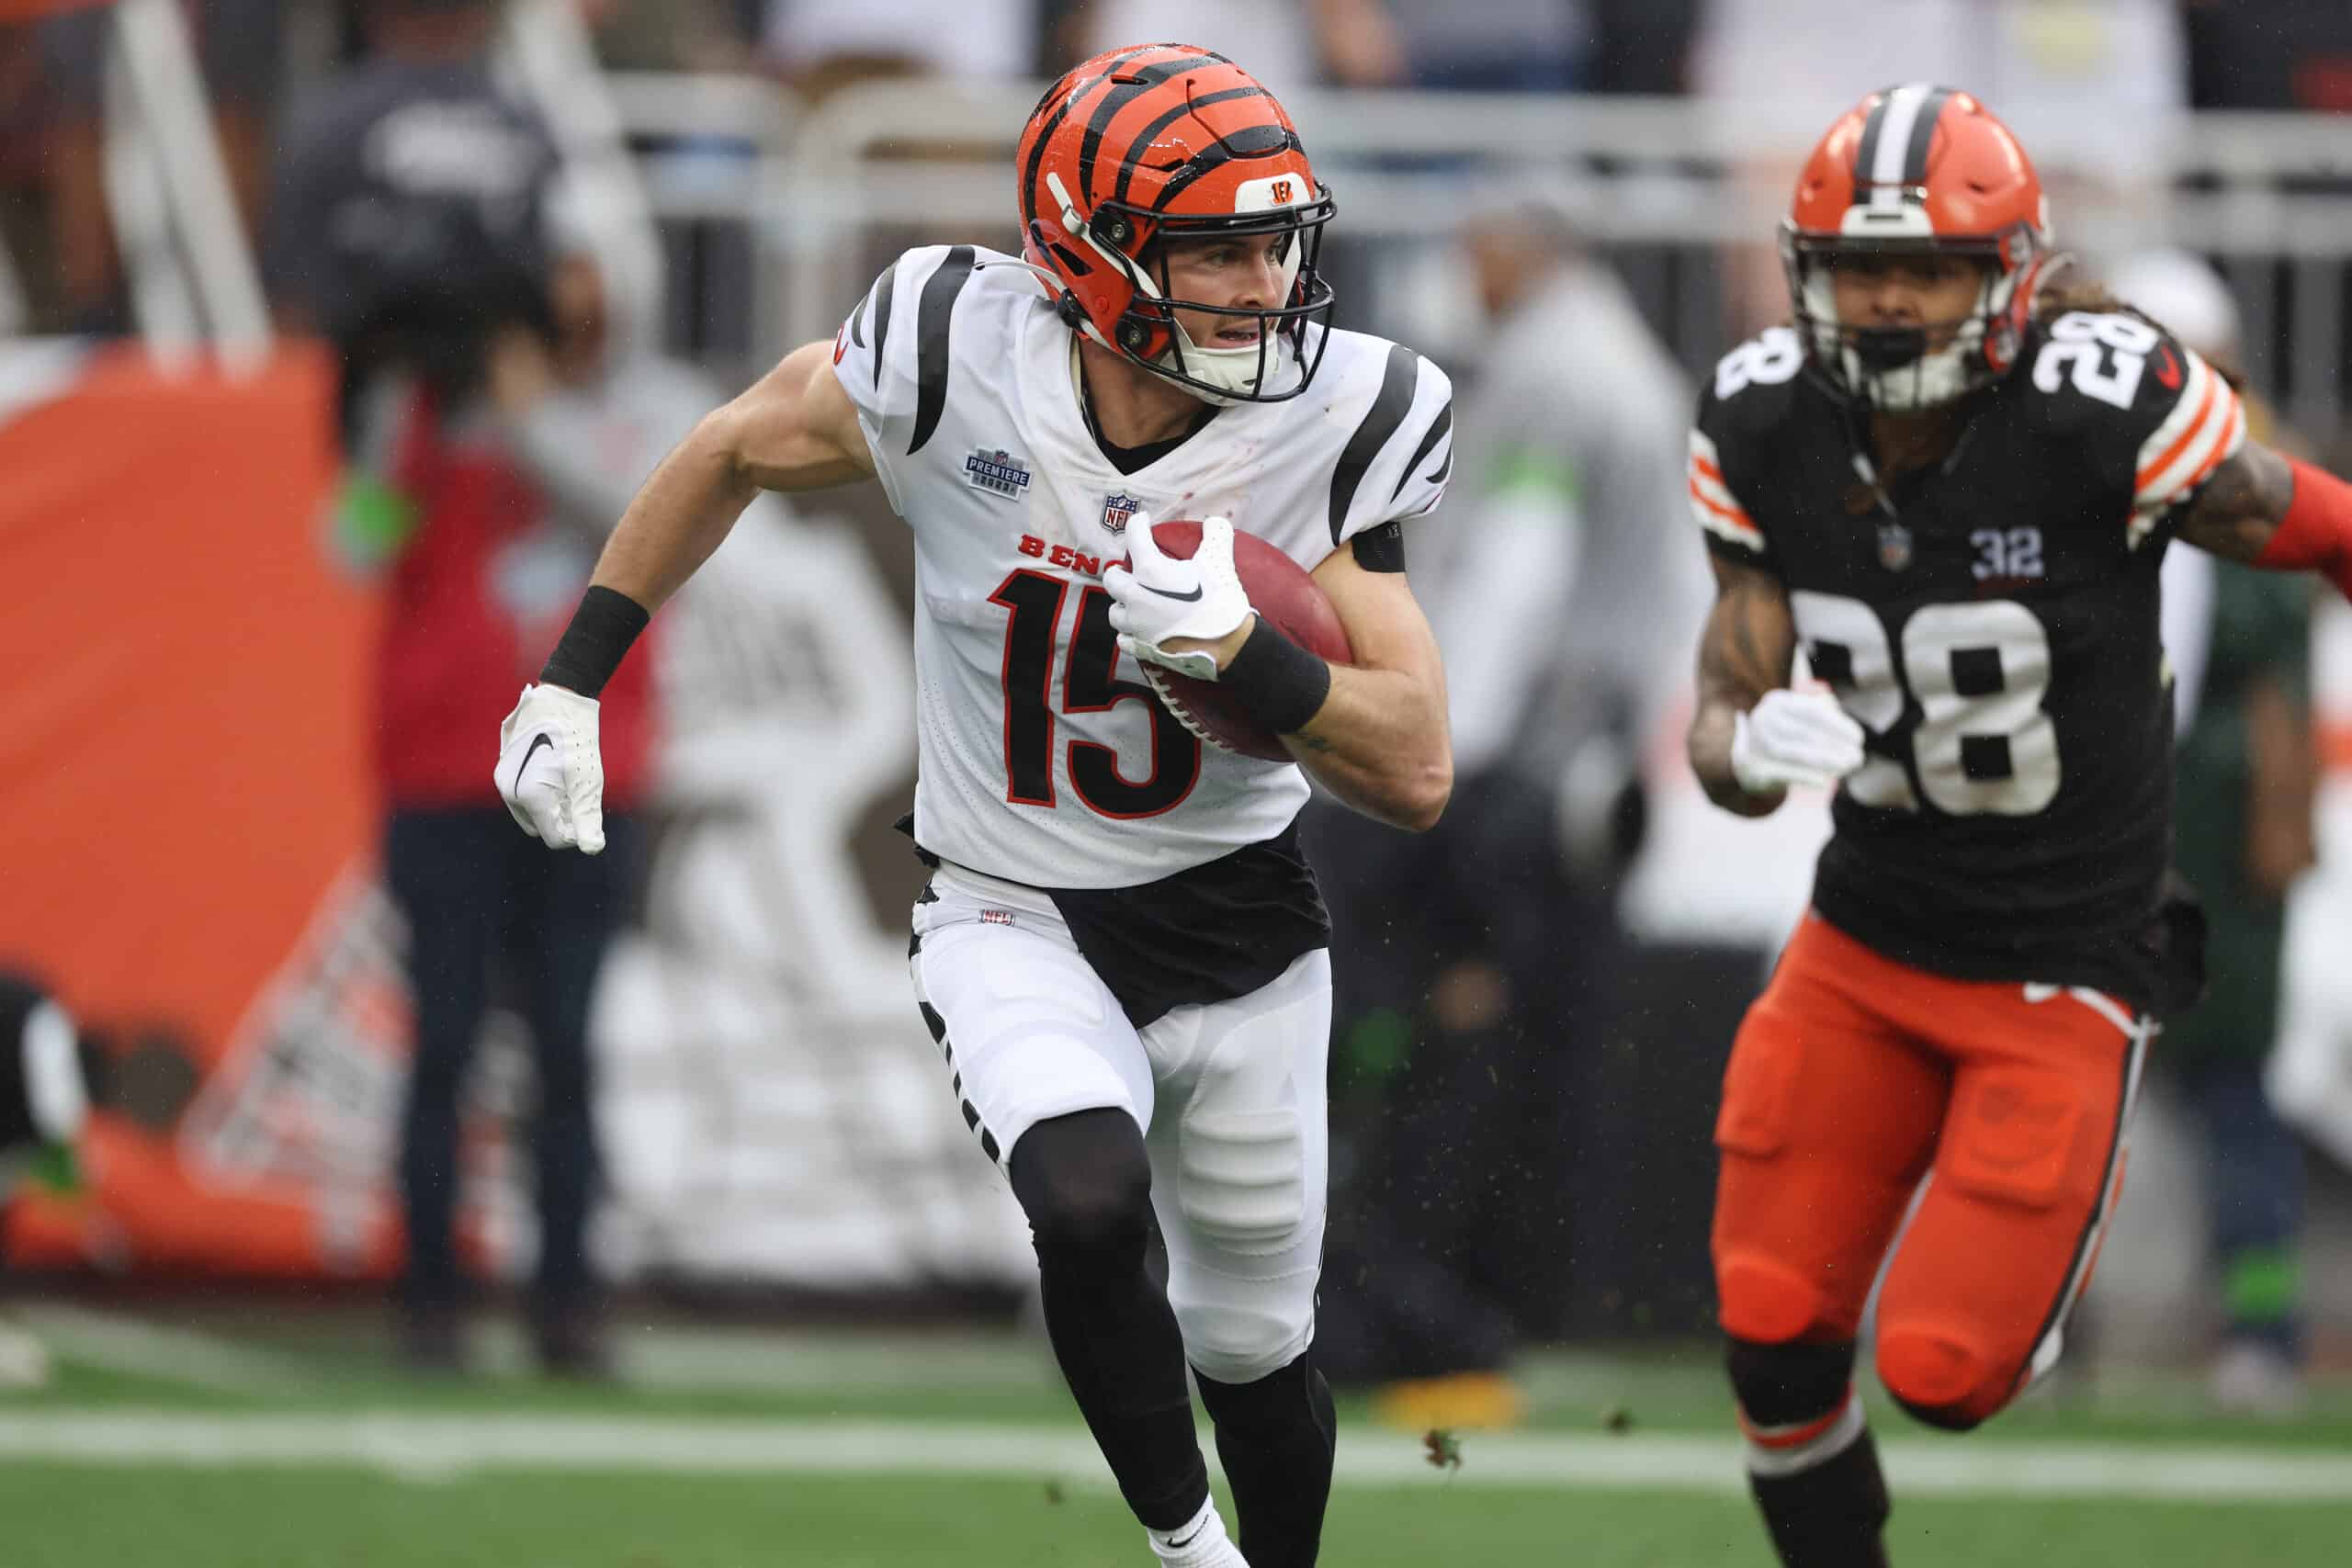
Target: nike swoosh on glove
{"type": "Point", "coordinates": [1794, 737]}
{"type": "Point", "coordinates": [1159, 599]}
{"type": "Point", "coordinates": [549, 771]}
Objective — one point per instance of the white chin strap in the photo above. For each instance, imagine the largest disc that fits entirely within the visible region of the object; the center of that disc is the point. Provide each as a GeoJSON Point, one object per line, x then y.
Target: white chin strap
{"type": "Point", "coordinates": [1233, 370]}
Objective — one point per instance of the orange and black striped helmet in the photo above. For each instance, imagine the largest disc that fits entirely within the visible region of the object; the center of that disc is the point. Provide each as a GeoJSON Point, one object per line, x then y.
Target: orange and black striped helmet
{"type": "Point", "coordinates": [1915, 170]}
{"type": "Point", "coordinates": [1140, 147]}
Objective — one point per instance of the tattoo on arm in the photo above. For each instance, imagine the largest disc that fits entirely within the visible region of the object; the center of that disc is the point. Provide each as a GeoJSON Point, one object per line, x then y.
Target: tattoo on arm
{"type": "Point", "coordinates": [1751, 637]}
{"type": "Point", "coordinates": [1747, 650]}
{"type": "Point", "coordinates": [2239, 508]}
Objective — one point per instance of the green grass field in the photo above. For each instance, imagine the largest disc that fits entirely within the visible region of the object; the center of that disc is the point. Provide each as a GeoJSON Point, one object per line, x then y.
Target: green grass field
{"type": "Point", "coordinates": [234, 1437]}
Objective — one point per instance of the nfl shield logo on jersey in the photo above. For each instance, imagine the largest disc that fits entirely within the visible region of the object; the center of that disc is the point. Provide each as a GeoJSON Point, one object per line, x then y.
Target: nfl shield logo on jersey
{"type": "Point", "coordinates": [997, 471]}
{"type": "Point", "coordinates": [1118, 508]}
{"type": "Point", "coordinates": [1893, 546]}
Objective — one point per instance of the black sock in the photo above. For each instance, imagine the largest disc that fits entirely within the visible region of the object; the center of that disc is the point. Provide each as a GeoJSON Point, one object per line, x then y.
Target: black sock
{"type": "Point", "coordinates": [1831, 1516]}
{"type": "Point", "coordinates": [1276, 1437]}
{"type": "Point", "coordinates": [1085, 1182]}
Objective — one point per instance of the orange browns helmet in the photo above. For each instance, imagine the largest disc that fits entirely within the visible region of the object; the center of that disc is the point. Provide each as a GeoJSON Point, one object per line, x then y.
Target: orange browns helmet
{"type": "Point", "coordinates": [1140, 146]}
{"type": "Point", "coordinates": [1911, 169]}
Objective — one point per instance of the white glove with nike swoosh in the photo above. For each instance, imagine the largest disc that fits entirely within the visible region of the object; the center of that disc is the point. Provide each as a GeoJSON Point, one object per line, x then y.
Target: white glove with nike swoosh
{"type": "Point", "coordinates": [1161, 599]}
{"type": "Point", "coordinates": [1794, 737]}
{"type": "Point", "coordinates": [549, 772]}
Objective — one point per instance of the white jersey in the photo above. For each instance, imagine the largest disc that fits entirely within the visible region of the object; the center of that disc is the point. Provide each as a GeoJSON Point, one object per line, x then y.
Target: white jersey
{"type": "Point", "coordinates": [1043, 758]}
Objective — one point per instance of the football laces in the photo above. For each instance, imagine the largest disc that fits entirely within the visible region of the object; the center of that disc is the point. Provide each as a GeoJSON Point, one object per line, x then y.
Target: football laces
{"type": "Point", "coordinates": [1175, 705]}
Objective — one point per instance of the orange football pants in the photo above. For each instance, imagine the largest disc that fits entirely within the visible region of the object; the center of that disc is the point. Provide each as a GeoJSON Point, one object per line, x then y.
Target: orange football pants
{"type": "Point", "coordinates": [1852, 1078]}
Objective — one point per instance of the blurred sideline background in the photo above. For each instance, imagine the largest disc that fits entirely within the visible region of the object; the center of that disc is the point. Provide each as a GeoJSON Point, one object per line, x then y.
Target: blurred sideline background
{"type": "Point", "coordinates": [821, 1332]}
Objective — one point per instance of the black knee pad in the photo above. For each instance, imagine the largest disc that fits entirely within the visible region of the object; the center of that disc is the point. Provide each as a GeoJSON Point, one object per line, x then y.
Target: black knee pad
{"type": "Point", "coordinates": [1781, 1385]}
{"type": "Point", "coordinates": [1085, 1182]}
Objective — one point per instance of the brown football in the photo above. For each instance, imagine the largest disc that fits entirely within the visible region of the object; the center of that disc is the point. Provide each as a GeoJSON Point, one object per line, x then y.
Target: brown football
{"type": "Point", "coordinates": [1284, 593]}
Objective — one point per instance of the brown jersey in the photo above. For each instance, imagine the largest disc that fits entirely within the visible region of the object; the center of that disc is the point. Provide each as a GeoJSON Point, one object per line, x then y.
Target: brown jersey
{"type": "Point", "coordinates": [1991, 621]}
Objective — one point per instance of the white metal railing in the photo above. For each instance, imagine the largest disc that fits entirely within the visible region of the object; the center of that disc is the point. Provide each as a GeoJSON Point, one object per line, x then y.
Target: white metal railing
{"type": "Point", "coordinates": [817, 189]}
{"type": "Point", "coordinates": [184, 251]}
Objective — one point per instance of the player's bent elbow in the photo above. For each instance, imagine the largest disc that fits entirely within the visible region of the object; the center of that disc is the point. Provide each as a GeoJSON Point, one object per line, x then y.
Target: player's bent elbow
{"type": "Point", "coordinates": [722, 437]}
{"type": "Point", "coordinates": [1423, 797]}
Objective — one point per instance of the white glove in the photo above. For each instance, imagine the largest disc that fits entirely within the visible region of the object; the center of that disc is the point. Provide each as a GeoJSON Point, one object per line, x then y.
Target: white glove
{"type": "Point", "coordinates": [1794, 737]}
{"type": "Point", "coordinates": [1161, 599]}
{"type": "Point", "coordinates": [549, 773]}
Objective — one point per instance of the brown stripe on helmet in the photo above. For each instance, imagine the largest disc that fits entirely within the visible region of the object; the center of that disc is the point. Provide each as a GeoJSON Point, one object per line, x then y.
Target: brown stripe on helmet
{"type": "Point", "coordinates": [1923, 136]}
{"type": "Point", "coordinates": [1866, 148]}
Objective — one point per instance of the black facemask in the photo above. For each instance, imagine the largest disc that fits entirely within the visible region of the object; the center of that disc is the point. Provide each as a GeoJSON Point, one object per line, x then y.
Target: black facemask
{"type": "Point", "coordinates": [1883, 349]}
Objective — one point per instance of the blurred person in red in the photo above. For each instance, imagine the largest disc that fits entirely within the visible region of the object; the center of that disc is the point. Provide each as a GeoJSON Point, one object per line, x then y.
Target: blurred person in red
{"type": "Point", "coordinates": [1953, 483]}
{"type": "Point", "coordinates": [410, 227]}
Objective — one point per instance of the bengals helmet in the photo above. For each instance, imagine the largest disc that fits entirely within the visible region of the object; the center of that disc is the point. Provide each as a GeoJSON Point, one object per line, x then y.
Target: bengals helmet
{"type": "Point", "coordinates": [1138, 147]}
{"type": "Point", "coordinates": [1915, 170]}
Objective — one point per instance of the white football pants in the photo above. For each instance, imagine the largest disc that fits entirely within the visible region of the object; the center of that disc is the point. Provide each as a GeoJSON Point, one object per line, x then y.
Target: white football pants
{"type": "Point", "coordinates": [1229, 1097]}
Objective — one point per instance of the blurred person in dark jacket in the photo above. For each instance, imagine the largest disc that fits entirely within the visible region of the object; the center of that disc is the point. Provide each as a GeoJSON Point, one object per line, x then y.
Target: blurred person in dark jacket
{"type": "Point", "coordinates": [1552, 597]}
{"type": "Point", "coordinates": [411, 229]}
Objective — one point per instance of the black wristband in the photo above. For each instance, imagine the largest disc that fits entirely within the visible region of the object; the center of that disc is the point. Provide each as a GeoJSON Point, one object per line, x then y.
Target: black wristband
{"type": "Point", "coordinates": [1280, 684]}
{"type": "Point", "coordinates": [593, 644]}
{"type": "Point", "coordinates": [1381, 549]}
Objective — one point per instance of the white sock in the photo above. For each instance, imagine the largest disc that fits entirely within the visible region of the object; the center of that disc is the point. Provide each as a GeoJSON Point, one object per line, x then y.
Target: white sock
{"type": "Point", "coordinates": [1199, 1540]}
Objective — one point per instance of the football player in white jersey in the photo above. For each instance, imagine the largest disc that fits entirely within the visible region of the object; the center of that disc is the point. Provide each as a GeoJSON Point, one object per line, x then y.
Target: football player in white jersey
{"type": "Point", "coordinates": [1120, 951]}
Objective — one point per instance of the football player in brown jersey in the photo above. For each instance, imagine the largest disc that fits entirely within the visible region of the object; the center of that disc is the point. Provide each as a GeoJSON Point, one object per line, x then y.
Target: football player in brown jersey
{"type": "Point", "coordinates": [1950, 484]}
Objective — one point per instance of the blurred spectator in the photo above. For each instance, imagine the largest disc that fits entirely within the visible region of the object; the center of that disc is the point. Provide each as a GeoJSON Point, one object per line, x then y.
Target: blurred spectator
{"type": "Point", "coordinates": [1289, 43]}
{"type": "Point", "coordinates": [1551, 595]}
{"type": "Point", "coordinates": [1532, 46]}
{"type": "Point", "coordinates": [823, 45]}
{"type": "Point", "coordinates": [2239, 642]}
{"type": "Point", "coordinates": [239, 46]}
{"type": "Point", "coordinates": [667, 35]}
{"type": "Point", "coordinates": [2268, 54]}
{"type": "Point", "coordinates": [1641, 46]}
{"type": "Point", "coordinates": [27, 254]}
{"type": "Point", "coordinates": [1552, 591]}
{"type": "Point", "coordinates": [412, 230]}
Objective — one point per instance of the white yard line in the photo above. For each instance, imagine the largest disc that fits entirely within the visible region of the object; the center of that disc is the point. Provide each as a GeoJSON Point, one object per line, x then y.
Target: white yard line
{"type": "Point", "coordinates": [423, 1446]}
{"type": "Point", "coordinates": [119, 1342]}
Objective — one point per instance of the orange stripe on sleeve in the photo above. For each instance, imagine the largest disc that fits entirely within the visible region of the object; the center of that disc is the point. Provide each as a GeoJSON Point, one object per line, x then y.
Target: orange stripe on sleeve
{"type": "Point", "coordinates": [2188, 437]}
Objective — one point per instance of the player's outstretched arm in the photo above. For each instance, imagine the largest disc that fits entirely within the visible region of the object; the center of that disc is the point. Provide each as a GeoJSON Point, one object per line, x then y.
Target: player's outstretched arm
{"type": "Point", "coordinates": [1380, 741]}
{"type": "Point", "coordinates": [794, 429]}
{"type": "Point", "coordinates": [1745, 651]}
{"type": "Point", "coordinates": [2264, 509]}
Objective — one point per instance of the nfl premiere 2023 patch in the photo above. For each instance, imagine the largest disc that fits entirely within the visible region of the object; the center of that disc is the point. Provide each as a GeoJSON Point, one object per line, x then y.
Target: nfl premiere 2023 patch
{"type": "Point", "coordinates": [997, 471]}
{"type": "Point", "coordinates": [1118, 507]}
